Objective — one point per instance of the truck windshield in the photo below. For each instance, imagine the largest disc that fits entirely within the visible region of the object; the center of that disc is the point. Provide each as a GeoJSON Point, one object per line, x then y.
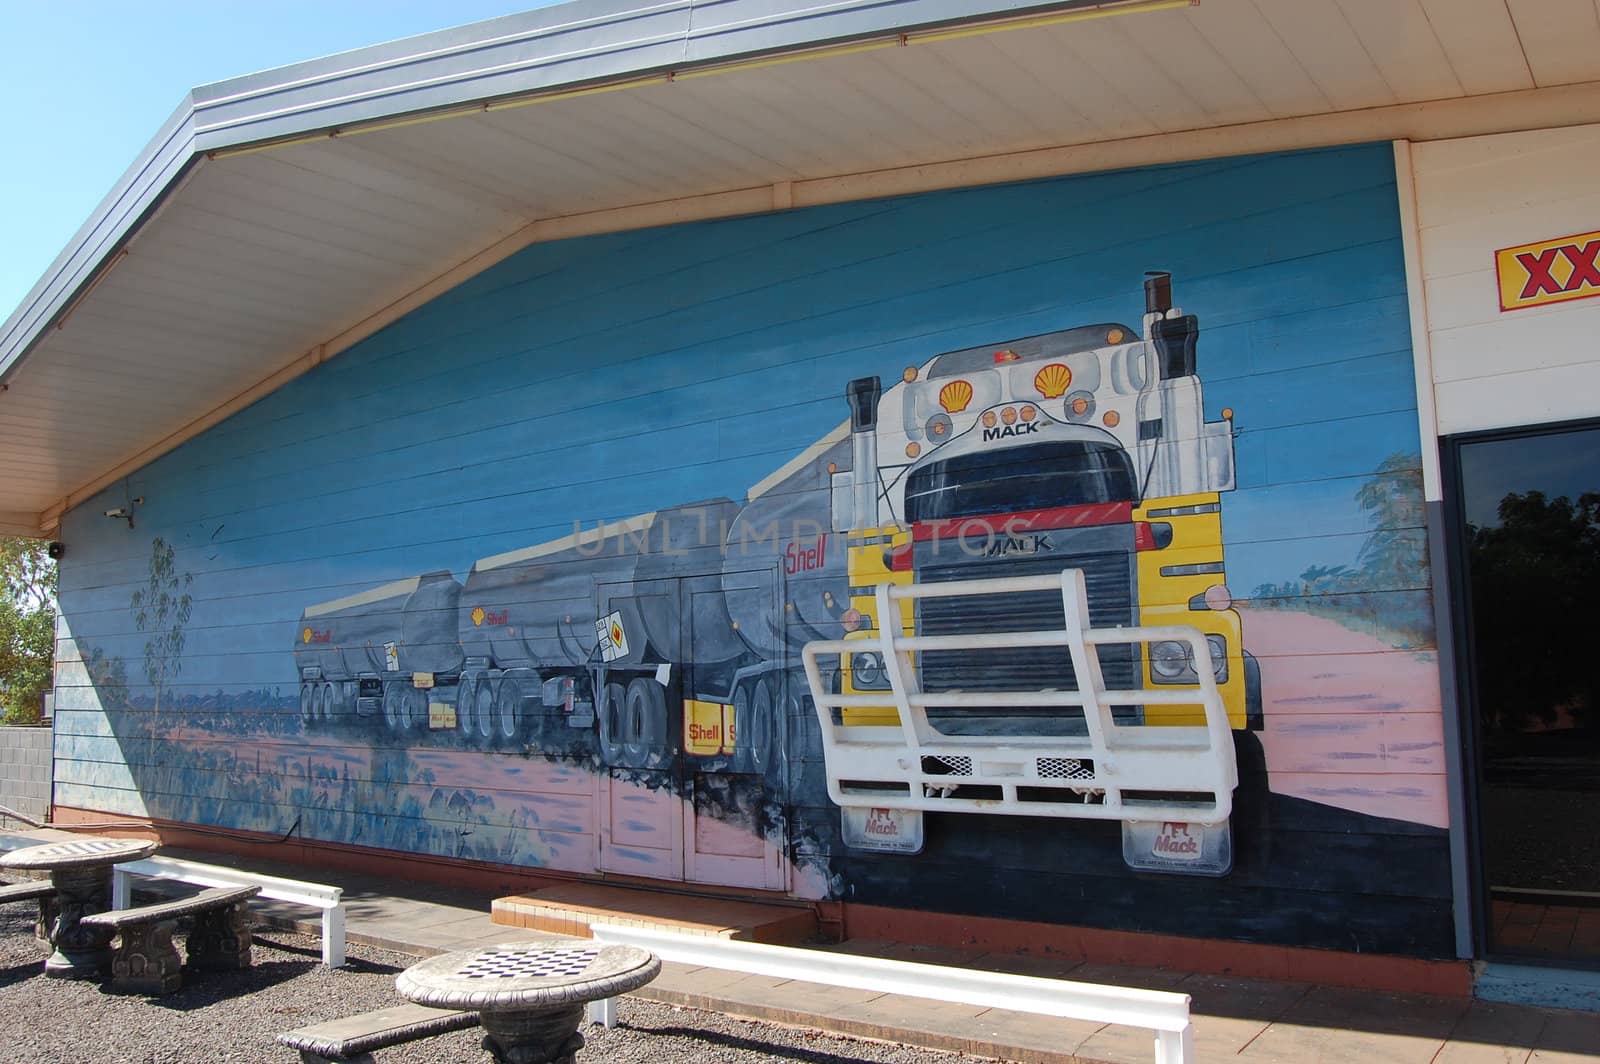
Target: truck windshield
{"type": "Point", "coordinates": [1042, 476]}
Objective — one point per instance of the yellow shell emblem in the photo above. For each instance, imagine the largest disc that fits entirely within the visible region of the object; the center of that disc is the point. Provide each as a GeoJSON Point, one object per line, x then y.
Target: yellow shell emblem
{"type": "Point", "coordinates": [1053, 380]}
{"type": "Point", "coordinates": [955, 396]}
{"type": "Point", "coordinates": [305, 636]}
{"type": "Point", "coordinates": [477, 616]}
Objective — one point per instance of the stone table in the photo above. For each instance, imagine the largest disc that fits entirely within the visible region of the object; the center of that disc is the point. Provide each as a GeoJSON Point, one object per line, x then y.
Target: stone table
{"type": "Point", "coordinates": [530, 996]}
{"type": "Point", "coordinates": [80, 871]}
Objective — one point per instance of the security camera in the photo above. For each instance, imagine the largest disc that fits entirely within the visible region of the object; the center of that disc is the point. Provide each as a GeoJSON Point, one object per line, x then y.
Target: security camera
{"type": "Point", "coordinates": [56, 549]}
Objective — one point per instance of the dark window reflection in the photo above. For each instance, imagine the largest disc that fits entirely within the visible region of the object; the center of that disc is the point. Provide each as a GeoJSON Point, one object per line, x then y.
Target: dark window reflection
{"type": "Point", "coordinates": [1532, 510]}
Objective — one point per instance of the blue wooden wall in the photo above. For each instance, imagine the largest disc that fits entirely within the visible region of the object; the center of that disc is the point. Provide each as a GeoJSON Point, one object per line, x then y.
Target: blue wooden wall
{"type": "Point", "coordinates": [594, 379]}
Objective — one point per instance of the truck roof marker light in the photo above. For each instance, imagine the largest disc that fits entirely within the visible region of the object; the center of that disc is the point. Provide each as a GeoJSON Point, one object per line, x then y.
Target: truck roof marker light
{"type": "Point", "coordinates": [1227, 413]}
{"type": "Point", "coordinates": [989, 419]}
{"type": "Point", "coordinates": [913, 449]}
{"type": "Point", "coordinates": [1111, 419]}
{"type": "Point", "coordinates": [955, 396]}
{"type": "Point", "coordinates": [1009, 415]}
{"type": "Point", "coordinates": [1006, 355]}
{"type": "Point", "coordinates": [909, 375]}
{"type": "Point", "coordinates": [833, 467]}
{"type": "Point", "coordinates": [1115, 336]}
{"type": "Point", "coordinates": [1053, 380]}
{"type": "Point", "coordinates": [1028, 412]}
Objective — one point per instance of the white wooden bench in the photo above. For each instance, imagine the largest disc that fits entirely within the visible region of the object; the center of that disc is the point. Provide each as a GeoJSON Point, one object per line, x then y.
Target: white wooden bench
{"type": "Point", "coordinates": [292, 891]}
{"type": "Point", "coordinates": [1166, 1014]}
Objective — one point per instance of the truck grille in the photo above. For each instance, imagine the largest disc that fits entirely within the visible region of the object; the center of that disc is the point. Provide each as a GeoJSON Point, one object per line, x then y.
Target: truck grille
{"type": "Point", "coordinates": [1109, 580]}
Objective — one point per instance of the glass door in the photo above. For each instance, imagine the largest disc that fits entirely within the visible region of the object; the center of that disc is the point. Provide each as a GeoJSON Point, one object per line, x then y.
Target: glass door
{"type": "Point", "coordinates": [1527, 528]}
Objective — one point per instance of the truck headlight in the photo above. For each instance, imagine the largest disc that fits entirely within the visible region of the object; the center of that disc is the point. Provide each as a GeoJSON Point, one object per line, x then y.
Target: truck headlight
{"type": "Point", "coordinates": [1169, 662]}
{"type": "Point", "coordinates": [866, 671]}
{"type": "Point", "coordinates": [1218, 645]}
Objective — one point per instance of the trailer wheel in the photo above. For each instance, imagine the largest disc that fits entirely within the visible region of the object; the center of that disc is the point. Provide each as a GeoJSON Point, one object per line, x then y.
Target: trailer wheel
{"type": "Point", "coordinates": [610, 714]}
{"type": "Point", "coordinates": [508, 708]}
{"type": "Point", "coordinates": [483, 709]}
{"type": "Point", "coordinates": [416, 709]}
{"type": "Point", "coordinates": [329, 697]}
{"type": "Point", "coordinates": [393, 704]}
{"type": "Point", "coordinates": [645, 730]}
{"type": "Point", "coordinates": [466, 694]}
{"type": "Point", "coordinates": [307, 702]}
{"type": "Point", "coordinates": [762, 726]}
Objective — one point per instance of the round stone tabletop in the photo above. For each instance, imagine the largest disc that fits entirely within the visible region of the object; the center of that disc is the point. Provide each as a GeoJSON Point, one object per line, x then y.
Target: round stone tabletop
{"type": "Point", "coordinates": [519, 976]}
{"type": "Point", "coordinates": [78, 853]}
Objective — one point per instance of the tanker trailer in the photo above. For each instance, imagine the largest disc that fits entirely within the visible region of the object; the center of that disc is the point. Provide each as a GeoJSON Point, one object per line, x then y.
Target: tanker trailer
{"type": "Point", "coordinates": [358, 655]}
{"type": "Point", "coordinates": [551, 631]}
{"type": "Point", "coordinates": [783, 527]}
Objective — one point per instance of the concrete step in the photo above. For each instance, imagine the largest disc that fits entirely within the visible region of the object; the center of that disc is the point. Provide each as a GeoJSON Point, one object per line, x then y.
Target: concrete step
{"type": "Point", "coordinates": [569, 909]}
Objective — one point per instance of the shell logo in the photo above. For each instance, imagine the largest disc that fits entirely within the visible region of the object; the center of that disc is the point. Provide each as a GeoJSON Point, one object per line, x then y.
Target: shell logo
{"type": "Point", "coordinates": [1053, 380]}
{"type": "Point", "coordinates": [477, 616]}
{"type": "Point", "coordinates": [305, 636]}
{"type": "Point", "coordinates": [955, 396]}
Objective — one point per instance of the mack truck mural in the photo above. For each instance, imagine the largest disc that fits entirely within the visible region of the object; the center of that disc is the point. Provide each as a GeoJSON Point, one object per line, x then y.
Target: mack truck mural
{"type": "Point", "coordinates": [679, 633]}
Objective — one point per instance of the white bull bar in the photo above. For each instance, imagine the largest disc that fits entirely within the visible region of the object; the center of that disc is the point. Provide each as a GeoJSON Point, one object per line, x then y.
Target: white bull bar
{"type": "Point", "coordinates": [1114, 772]}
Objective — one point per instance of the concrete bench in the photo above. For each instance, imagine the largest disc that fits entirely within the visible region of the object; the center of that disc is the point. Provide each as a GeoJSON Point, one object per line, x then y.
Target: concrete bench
{"type": "Point", "coordinates": [292, 891]}
{"type": "Point", "coordinates": [40, 891]}
{"type": "Point", "coordinates": [355, 1037]}
{"type": "Point", "coordinates": [1166, 1014]}
{"type": "Point", "coordinates": [146, 961]}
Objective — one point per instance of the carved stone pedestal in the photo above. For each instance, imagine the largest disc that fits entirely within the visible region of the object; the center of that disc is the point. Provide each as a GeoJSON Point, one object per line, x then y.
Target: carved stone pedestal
{"type": "Point", "coordinates": [81, 952]}
{"type": "Point", "coordinates": [220, 941]}
{"type": "Point", "coordinates": [548, 1036]}
{"type": "Point", "coordinates": [529, 996]}
{"type": "Point", "coordinates": [147, 962]}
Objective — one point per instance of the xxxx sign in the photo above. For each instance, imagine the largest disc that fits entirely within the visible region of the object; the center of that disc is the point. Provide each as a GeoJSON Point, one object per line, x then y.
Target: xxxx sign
{"type": "Point", "coordinates": [1551, 271]}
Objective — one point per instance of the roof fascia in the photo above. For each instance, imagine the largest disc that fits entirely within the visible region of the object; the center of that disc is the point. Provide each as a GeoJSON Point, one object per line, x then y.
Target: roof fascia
{"type": "Point", "coordinates": [565, 45]}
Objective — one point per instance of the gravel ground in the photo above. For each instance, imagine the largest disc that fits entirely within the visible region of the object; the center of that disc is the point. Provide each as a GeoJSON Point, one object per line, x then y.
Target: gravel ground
{"type": "Point", "coordinates": [234, 1016]}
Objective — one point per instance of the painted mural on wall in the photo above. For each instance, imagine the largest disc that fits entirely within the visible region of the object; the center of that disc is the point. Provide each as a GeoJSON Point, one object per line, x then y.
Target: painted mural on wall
{"type": "Point", "coordinates": [549, 609]}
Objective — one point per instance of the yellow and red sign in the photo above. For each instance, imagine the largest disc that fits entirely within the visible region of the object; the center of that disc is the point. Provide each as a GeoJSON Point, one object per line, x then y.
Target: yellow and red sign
{"type": "Point", "coordinates": [708, 728]}
{"type": "Point", "coordinates": [1551, 271]}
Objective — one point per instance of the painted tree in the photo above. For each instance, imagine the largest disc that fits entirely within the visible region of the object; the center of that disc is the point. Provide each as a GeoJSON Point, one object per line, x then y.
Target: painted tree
{"type": "Point", "coordinates": [27, 628]}
{"type": "Point", "coordinates": [161, 610]}
{"type": "Point", "coordinates": [1395, 554]}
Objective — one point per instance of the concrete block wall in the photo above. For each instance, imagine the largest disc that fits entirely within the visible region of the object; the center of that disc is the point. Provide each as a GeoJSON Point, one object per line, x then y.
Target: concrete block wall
{"type": "Point", "coordinates": [25, 768]}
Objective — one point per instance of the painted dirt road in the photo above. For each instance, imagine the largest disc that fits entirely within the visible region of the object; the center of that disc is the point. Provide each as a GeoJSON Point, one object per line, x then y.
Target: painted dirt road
{"type": "Point", "coordinates": [1350, 721]}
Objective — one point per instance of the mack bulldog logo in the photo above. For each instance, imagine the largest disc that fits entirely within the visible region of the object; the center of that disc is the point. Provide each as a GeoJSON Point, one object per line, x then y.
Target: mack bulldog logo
{"type": "Point", "coordinates": [1176, 842]}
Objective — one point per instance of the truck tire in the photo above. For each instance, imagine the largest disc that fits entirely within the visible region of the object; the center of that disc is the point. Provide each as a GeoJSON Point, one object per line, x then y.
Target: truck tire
{"type": "Point", "coordinates": [762, 735]}
{"type": "Point", "coordinates": [508, 709]}
{"type": "Point", "coordinates": [326, 702]}
{"type": "Point", "coordinates": [416, 711]}
{"type": "Point", "coordinates": [483, 711]}
{"type": "Point", "coordinates": [307, 703]}
{"type": "Point", "coordinates": [394, 696]}
{"type": "Point", "coordinates": [609, 714]}
{"type": "Point", "coordinates": [466, 696]}
{"type": "Point", "coordinates": [645, 730]}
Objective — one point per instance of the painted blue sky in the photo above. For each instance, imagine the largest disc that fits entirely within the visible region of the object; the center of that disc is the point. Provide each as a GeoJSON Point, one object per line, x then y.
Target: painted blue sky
{"type": "Point", "coordinates": [87, 85]}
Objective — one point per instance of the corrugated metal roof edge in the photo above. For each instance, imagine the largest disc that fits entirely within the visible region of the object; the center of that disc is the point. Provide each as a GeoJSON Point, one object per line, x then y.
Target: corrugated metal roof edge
{"type": "Point", "coordinates": [566, 45]}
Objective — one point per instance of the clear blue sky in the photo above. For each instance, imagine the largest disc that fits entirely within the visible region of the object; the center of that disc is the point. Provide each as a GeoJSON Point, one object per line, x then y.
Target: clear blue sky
{"type": "Point", "coordinates": [87, 83]}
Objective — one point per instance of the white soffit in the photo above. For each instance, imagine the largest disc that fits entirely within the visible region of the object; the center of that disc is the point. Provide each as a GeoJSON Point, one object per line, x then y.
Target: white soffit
{"type": "Point", "coordinates": [228, 261]}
